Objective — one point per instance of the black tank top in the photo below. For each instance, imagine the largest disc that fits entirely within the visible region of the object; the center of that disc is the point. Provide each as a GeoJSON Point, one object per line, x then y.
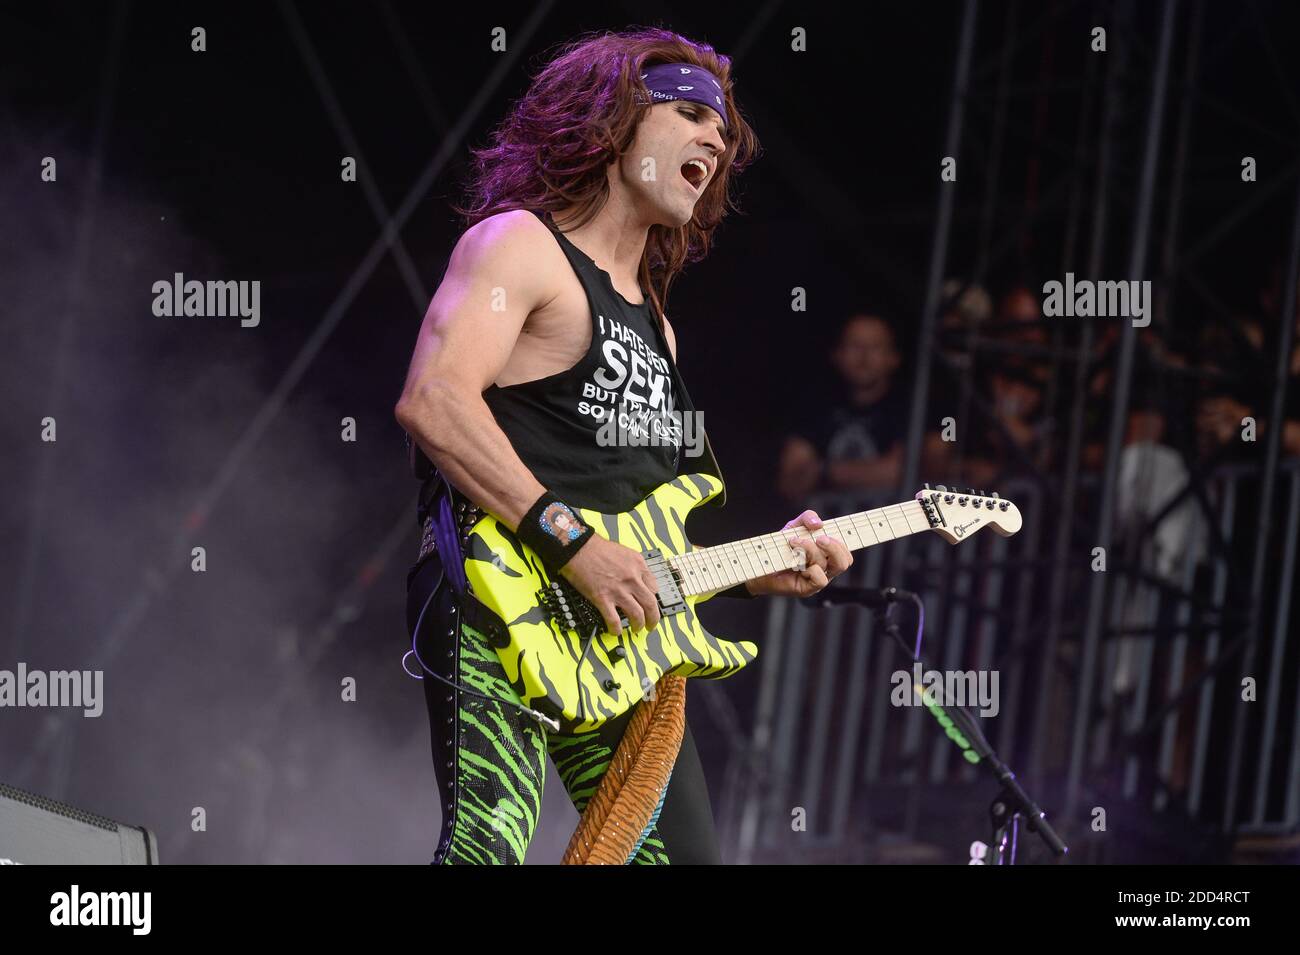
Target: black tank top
{"type": "Point", "coordinates": [555, 423]}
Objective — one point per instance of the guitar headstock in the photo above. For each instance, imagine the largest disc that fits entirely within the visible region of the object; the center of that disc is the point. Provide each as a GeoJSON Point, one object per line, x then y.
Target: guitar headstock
{"type": "Point", "coordinates": [957, 513]}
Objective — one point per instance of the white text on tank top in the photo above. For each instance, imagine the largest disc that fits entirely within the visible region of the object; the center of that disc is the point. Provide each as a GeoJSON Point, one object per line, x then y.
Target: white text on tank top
{"type": "Point", "coordinates": [633, 381]}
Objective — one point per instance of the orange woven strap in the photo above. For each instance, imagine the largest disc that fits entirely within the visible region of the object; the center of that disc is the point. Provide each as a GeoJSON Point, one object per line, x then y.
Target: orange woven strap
{"type": "Point", "coordinates": [632, 786]}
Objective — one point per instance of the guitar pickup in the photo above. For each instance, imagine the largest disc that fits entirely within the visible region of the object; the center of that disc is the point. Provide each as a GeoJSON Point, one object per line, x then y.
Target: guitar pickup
{"type": "Point", "coordinates": [572, 611]}
{"type": "Point", "coordinates": [670, 594]}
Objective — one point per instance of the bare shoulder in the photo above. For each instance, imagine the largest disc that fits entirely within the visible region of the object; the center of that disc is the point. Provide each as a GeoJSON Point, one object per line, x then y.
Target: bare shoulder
{"type": "Point", "coordinates": [509, 249]}
{"type": "Point", "coordinates": [505, 236]}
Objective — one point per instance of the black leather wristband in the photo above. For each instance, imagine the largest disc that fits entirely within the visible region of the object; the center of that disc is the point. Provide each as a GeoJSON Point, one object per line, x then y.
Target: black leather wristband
{"type": "Point", "coordinates": [553, 530]}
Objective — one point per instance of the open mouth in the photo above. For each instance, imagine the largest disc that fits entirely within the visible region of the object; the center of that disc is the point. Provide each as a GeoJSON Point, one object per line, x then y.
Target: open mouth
{"type": "Point", "coordinates": [695, 172]}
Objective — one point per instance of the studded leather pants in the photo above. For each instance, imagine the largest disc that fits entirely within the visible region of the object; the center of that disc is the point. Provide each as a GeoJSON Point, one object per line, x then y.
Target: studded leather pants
{"type": "Point", "coordinates": [490, 758]}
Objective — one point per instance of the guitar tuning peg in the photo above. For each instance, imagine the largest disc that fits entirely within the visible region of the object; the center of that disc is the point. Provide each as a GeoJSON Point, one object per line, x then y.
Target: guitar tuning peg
{"type": "Point", "coordinates": [940, 487]}
{"type": "Point", "coordinates": [925, 486]}
{"type": "Point", "coordinates": [981, 494]}
{"type": "Point", "coordinates": [994, 495]}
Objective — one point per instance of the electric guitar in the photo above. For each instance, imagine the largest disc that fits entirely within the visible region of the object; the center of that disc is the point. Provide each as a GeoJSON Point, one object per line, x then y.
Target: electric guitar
{"type": "Point", "coordinates": [558, 655]}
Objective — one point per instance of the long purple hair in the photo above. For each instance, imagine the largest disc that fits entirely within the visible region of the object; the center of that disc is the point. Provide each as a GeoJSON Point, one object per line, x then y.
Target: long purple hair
{"type": "Point", "coordinates": [580, 113]}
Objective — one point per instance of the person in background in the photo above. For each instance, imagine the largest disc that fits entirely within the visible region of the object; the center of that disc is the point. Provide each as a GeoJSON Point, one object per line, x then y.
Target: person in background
{"type": "Point", "coordinates": [856, 443]}
{"type": "Point", "coordinates": [1246, 353]}
{"type": "Point", "coordinates": [1010, 387]}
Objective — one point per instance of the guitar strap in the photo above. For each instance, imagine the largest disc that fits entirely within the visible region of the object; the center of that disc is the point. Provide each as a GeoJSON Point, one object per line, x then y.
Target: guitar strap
{"type": "Point", "coordinates": [447, 513]}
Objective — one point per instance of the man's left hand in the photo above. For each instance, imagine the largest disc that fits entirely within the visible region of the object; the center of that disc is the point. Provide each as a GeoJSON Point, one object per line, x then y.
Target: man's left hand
{"type": "Point", "coordinates": [825, 559]}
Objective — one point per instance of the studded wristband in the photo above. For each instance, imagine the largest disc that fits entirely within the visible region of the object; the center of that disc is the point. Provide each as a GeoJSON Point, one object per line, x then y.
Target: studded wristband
{"type": "Point", "coordinates": [553, 530]}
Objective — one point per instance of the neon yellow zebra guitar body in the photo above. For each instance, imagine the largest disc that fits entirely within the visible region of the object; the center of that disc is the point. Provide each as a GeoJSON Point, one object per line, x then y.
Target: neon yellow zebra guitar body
{"type": "Point", "coordinates": [581, 675]}
{"type": "Point", "coordinates": [554, 647]}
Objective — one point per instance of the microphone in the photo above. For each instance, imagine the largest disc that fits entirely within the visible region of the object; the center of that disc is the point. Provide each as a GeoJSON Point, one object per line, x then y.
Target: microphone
{"type": "Point", "coordinates": [875, 598]}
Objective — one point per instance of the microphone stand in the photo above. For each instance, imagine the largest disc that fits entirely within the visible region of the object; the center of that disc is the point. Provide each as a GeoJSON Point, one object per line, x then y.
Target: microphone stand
{"type": "Point", "coordinates": [1012, 806]}
{"type": "Point", "coordinates": [1012, 802]}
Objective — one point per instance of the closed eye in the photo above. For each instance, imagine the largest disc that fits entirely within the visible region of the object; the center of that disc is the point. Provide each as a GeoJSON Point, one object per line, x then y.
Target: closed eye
{"type": "Point", "coordinates": [697, 114]}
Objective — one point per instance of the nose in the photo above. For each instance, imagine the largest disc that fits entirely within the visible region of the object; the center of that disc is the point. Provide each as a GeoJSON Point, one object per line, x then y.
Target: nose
{"type": "Point", "coordinates": [713, 140]}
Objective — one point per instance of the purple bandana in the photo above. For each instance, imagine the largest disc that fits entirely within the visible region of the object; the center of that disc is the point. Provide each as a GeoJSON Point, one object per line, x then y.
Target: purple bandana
{"type": "Point", "coordinates": [669, 81]}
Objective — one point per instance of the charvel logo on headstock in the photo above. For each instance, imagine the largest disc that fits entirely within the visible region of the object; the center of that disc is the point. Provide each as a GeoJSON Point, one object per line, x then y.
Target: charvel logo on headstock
{"type": "Point", "coordinates": [943, 508]}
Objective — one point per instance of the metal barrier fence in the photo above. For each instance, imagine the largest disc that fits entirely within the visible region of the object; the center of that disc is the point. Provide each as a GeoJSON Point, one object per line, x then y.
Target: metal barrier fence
{"type": "Point", "coordinates": [828, 752]}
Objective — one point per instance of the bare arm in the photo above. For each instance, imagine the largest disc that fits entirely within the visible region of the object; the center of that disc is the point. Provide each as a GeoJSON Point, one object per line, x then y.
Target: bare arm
{"type": "Point", "coordinates": [493, 284]}
{"type": "Point", "coordinates": [462, 347]}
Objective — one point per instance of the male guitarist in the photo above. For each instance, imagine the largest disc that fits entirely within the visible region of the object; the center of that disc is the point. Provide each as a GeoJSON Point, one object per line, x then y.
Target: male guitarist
{"type": "Point", "coordinates": [609, 174]}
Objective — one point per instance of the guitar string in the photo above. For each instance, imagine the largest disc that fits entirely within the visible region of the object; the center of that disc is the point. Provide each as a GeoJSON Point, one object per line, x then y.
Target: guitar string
{"type": "Point", "coordinates": [774, 539]}
{"type": "Point", "coordinates": [696, 563]}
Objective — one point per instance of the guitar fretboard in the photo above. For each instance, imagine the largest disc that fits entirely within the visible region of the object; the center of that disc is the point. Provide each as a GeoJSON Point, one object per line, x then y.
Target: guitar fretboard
{"type": "Point", "coordinates": [707, 569]}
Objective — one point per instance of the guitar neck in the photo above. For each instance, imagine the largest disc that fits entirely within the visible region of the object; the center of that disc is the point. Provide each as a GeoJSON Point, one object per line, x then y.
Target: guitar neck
{"type": "Point", "coordinates": [707, 569]}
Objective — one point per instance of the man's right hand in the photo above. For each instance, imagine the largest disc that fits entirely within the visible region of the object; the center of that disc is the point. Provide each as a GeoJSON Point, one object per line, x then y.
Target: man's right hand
{"type": "Point", "coordinates": [614, 578]}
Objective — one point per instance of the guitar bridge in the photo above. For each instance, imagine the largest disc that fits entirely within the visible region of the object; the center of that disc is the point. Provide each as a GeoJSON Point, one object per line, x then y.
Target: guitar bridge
{"type": "Point", "coordinates": [568, 608]}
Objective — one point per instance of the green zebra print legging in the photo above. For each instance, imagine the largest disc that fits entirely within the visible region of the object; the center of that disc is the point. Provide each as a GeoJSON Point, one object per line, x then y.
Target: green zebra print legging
{"type": "Point", "coordinates": [490, 759]}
